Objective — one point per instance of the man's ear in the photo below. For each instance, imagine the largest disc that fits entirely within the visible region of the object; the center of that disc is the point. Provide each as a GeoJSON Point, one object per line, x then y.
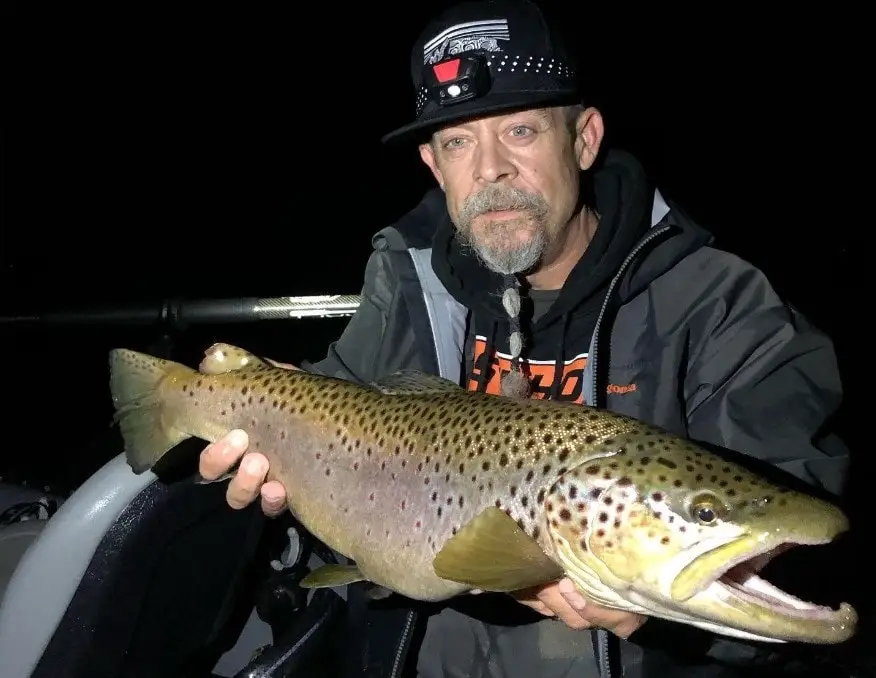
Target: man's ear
{"type": "Point", "coordinates": [589, 132]}
{"type": "Point", "coordinates": [427, 155]}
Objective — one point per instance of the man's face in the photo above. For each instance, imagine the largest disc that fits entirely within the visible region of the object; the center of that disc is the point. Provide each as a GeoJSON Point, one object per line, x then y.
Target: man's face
{"type": "Point", "coordinates": [511, 183]}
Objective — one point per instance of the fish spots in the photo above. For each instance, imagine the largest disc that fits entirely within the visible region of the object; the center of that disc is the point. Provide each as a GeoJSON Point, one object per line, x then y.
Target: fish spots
{"type": "Point", "coordinates": [446, 456]}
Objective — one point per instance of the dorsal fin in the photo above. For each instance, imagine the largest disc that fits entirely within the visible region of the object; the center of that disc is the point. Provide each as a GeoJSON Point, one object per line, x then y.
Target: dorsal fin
{"type": "Point", "coordinates": [413, 382]}
{"type": "Point", "coordinates": [222, 358]}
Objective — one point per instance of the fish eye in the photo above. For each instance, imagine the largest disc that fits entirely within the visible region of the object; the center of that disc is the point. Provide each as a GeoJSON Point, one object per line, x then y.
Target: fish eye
{"type": "Point", "coordinates": [705, 514]}
{"type": "Point", "coordinates": [706, 509]}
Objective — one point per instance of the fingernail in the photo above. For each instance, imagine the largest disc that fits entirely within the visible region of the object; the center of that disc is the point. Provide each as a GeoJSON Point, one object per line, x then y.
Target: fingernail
{"type": "Point", "coordinates": [272, 498]}
{"type": "Point", "coordinates": [572, 595]}
{"type": "Point", "coordinates": [272, 501]}
{"type": "Point", "coordinates": [237, 438]}
{"type": "Point", "coordinates": [253, 465]}
{"type": "Point", "coordinates": [576, 600]}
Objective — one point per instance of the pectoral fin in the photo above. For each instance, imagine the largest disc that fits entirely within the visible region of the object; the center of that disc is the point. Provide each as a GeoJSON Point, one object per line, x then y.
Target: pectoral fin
{"type": "Point", "coordinates": [492, 553]}
{"type": "Point", "coordinates": [329, 576]}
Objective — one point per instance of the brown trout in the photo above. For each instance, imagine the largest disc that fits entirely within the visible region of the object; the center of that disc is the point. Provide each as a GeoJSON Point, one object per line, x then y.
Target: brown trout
{"type": "Point", "coordinates": [434, 491]}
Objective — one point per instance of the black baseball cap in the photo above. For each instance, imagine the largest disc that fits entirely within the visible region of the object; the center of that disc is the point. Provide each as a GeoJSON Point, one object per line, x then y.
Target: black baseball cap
{"type": "Point", "coordinates": [484, 57]}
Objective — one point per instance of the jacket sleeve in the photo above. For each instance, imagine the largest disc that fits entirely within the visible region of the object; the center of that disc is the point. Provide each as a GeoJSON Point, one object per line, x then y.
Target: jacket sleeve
{"type": "Point", "coordinates": [377, 341]}
{"type": "Point", "coordinates": [763, 381]}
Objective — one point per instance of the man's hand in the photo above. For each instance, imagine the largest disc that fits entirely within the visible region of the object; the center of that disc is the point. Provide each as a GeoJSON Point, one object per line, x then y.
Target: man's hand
{"type": "Point", "coordinates": [249, 482]}
{"type": "Point", "coordinates": [562, 600]}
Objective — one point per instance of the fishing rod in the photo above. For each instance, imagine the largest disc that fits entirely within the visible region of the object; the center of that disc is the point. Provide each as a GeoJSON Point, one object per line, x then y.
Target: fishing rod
{"type": "Point", "coordinates": [186, 312]}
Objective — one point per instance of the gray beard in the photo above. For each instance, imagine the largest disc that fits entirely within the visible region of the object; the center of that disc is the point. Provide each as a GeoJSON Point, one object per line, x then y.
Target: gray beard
{"type": "Point", "coordinates": [493, 247]}
{"type": "Point", "coordinates": [501, 258]}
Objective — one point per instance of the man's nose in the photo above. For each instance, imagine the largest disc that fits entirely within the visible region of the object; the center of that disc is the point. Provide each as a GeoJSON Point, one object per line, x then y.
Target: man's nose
{"type": "Point", "coordinates": [492, 163]}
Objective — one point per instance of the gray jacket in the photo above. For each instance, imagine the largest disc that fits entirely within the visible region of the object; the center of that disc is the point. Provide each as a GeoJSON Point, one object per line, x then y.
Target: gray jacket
{"type": "Point", "coordinates": [690, 338]}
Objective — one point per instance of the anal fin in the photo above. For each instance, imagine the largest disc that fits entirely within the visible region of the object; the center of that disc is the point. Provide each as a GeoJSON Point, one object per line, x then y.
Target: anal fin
{"type": "Point", "coordinates": [492, 553]}
{"type": "Point", "coordinates": [329, 576]}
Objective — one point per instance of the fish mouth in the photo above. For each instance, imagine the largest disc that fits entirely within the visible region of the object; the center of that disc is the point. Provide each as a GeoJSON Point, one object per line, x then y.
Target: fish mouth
{"type": "Point", "coordinates": [759, 605]}
{"type": "Point", "coordinates": [743, 580]}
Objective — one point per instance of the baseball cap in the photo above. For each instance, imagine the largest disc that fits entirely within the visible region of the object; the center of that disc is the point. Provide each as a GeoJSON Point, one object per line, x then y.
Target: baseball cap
{"type": "Point", "coordinates": [486, 56]}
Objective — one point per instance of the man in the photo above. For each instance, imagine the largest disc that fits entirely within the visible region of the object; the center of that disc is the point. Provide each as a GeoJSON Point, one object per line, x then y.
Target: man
{"type": "Point", "coordinates": [540, 267]}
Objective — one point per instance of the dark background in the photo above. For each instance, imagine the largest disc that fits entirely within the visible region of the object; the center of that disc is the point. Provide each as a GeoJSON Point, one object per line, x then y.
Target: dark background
{"type": "Point", "coordinates": [213, 150]}
{"type": "Point", "coordinates": [220, 151]}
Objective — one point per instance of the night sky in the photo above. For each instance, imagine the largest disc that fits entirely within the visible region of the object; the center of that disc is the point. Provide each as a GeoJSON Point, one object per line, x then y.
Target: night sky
{"type": "Point", "coordinates": [235, 153]}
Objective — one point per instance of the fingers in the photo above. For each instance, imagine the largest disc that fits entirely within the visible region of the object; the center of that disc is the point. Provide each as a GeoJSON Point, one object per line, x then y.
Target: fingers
{"type": "Point", "coordinates": [273, 498]}
{"type": "Point", "coordinates": [529, 597]}
{"type": "Point", "coordinates": [566, 588]}
{"type": "Point", "coordinates": [619, 622]}
{"type": "Point", "coordinates": [554, 600]}
{"type": "Point", "coordinates": [247, 483]}
{"type": "Point", "coordinates": [539, 607]}
{"type": "Point", "coordinates": [219, 457]}
{"type": "Point", "coordinates": [565, 602]}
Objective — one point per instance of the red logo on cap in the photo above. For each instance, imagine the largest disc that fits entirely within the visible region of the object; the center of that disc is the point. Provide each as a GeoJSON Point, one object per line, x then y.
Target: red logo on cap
{"type": "Point", "coordinates": [446, 71]}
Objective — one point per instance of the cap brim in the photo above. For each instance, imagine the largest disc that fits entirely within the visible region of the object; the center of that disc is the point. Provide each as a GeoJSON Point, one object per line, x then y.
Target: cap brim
{"type": "Point", "coordinates": [492, 103]}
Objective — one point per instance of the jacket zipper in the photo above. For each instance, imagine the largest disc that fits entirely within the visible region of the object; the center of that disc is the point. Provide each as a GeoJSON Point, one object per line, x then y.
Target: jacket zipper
{"type": "Point", "coordinates": [623, 267]}
{"type": "Point", "coordinates": [402, 645]}
{"type": "Point", "coordinates": [603, 640]}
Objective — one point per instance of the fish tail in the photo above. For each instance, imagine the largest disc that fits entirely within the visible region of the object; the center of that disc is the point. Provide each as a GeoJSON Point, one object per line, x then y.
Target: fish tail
{"type": "Point", "coordinates": [145, 422]}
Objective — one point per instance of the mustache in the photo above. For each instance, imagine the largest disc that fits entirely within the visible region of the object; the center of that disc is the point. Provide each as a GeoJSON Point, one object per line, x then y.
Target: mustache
{"type": "Point", "coordinates": [496, 197]}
